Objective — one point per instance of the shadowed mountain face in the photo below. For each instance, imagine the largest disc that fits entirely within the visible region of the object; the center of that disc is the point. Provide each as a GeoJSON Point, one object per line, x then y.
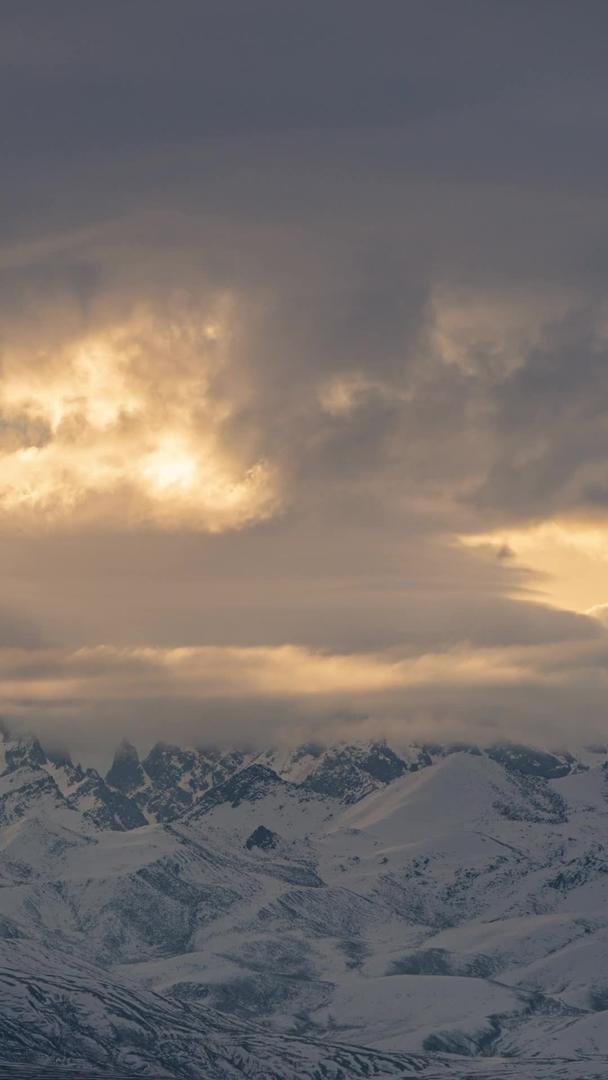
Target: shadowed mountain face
{"type": "Point", "coordinates": [268, 914]}
{"type": "Point", "coordinates": [126, 773]}
{"type": "Point", "coordinates": [170, 778]}
{"type": "Point", "coordinates": [28, 768]}
{"type": "Point", "coordinates": [247, 785]}
{"type": "Point", "coordinates": [529, 762]}
{"type": "Point", "coordinates": [348, 773]}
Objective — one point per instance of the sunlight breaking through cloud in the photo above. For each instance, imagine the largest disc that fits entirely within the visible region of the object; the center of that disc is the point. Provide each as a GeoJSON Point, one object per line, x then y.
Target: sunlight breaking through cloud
{"type": "Point", "coordinates": [126, 426]}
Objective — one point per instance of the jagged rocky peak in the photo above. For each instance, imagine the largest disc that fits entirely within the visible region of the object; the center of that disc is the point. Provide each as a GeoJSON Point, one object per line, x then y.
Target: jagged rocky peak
{"type": "Point", "coordinates": [529, 761]}
{"type": "Point", "coordinates": [383, 763]}
{"type": "Point", "coordinates": [52, 775]}
{"type": "Point", "coordinates": [344, 771]}
{"type": "Point", "coordinates": [21, 751]}
{"type": "Point", "coordinates": [126, 773]}
{"type": "Point", "coordinates": [351, 771]}
{"type": "Point", "coordinates": [224, 761]}
{"type": "Point", "coordinates": [170, 778]}
{"type": "Point", "coordinates": [170, 766]}
{"type": "Point", "coordinates": [252, 781]}
{"type": "Point", "coordinates": [249, 785]}
{"type": "Point", "coordinates": [164, 763]}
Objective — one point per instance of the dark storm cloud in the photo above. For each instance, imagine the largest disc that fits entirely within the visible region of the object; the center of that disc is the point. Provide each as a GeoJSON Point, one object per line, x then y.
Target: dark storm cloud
{"type": "Point", "coordinates": [467, 92]}
{"type": "Point", "coordinates": [358, 247]}
{"type": "Point", "coordinates": [551, 423]}
{"type": "Point", "coordinates": [80, 75]}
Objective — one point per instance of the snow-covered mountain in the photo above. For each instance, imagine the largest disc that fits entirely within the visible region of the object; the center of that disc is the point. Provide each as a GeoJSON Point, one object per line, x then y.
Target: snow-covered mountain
{"type": "Point", "coordinates": [170, 778]}
{"type": "Point", "coordinates": [347, 772]}
{"type": "Point", "coordinates": [27, 772]}
{"type": "Point", "coordinates": [199, 913]}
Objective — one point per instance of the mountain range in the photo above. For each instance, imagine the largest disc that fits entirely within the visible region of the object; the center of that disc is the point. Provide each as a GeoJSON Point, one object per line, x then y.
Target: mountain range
{"type": "Point", "coordinates": [353, 910]}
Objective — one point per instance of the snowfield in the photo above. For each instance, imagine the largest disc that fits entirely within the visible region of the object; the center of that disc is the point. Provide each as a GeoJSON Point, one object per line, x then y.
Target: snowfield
{"type": "Point", "coordinates": [314, 912]}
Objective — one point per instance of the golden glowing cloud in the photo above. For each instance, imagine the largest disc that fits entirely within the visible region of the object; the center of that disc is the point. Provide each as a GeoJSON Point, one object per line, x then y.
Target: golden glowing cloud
{"type": "Point", "coordinates": [569, 557]}
{"type": "Point", "coordinates": [107, 673]}
{"type": "Point", "coordinates": [124, 426]}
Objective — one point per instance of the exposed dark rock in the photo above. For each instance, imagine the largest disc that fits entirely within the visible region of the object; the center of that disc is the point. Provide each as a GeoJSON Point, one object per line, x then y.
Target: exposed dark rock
{"type": "Point", "coordinates": [110, 809]}
{"type": "Point", "coordinates": [349, 773]}
{"type": "Point", "coordinates": [126, 772]}
{"type": "Point", "coordinates": [530, 762]}
{"type": "Point", "coordinates": [248, 785]}
{"type": "Point", "coordinates": [262, 838]}
{"type": "Point", "coordinates": [25, 752]}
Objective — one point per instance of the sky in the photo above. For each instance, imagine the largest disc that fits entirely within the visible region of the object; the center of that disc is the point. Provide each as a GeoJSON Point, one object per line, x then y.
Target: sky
{"type": "Point", "coordinates": [304, 370]}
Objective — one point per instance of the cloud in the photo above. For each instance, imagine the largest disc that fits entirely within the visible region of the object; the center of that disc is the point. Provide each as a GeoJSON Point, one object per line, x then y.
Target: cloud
{"type": "Point", "coordinates": [549, 431]}
{"type": "Point", "coordinates": [259, 450]}
{"type": "Point", "coordinates": [569, 557]}
{"type": "Point", "coordinates": [599, 612]}
{"type": "Point", "coordinates": [278, 693]}
{"type": "Point", "coordinates": [122, 425]}
{"type": "Point", "coordinates": [297, 372]}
